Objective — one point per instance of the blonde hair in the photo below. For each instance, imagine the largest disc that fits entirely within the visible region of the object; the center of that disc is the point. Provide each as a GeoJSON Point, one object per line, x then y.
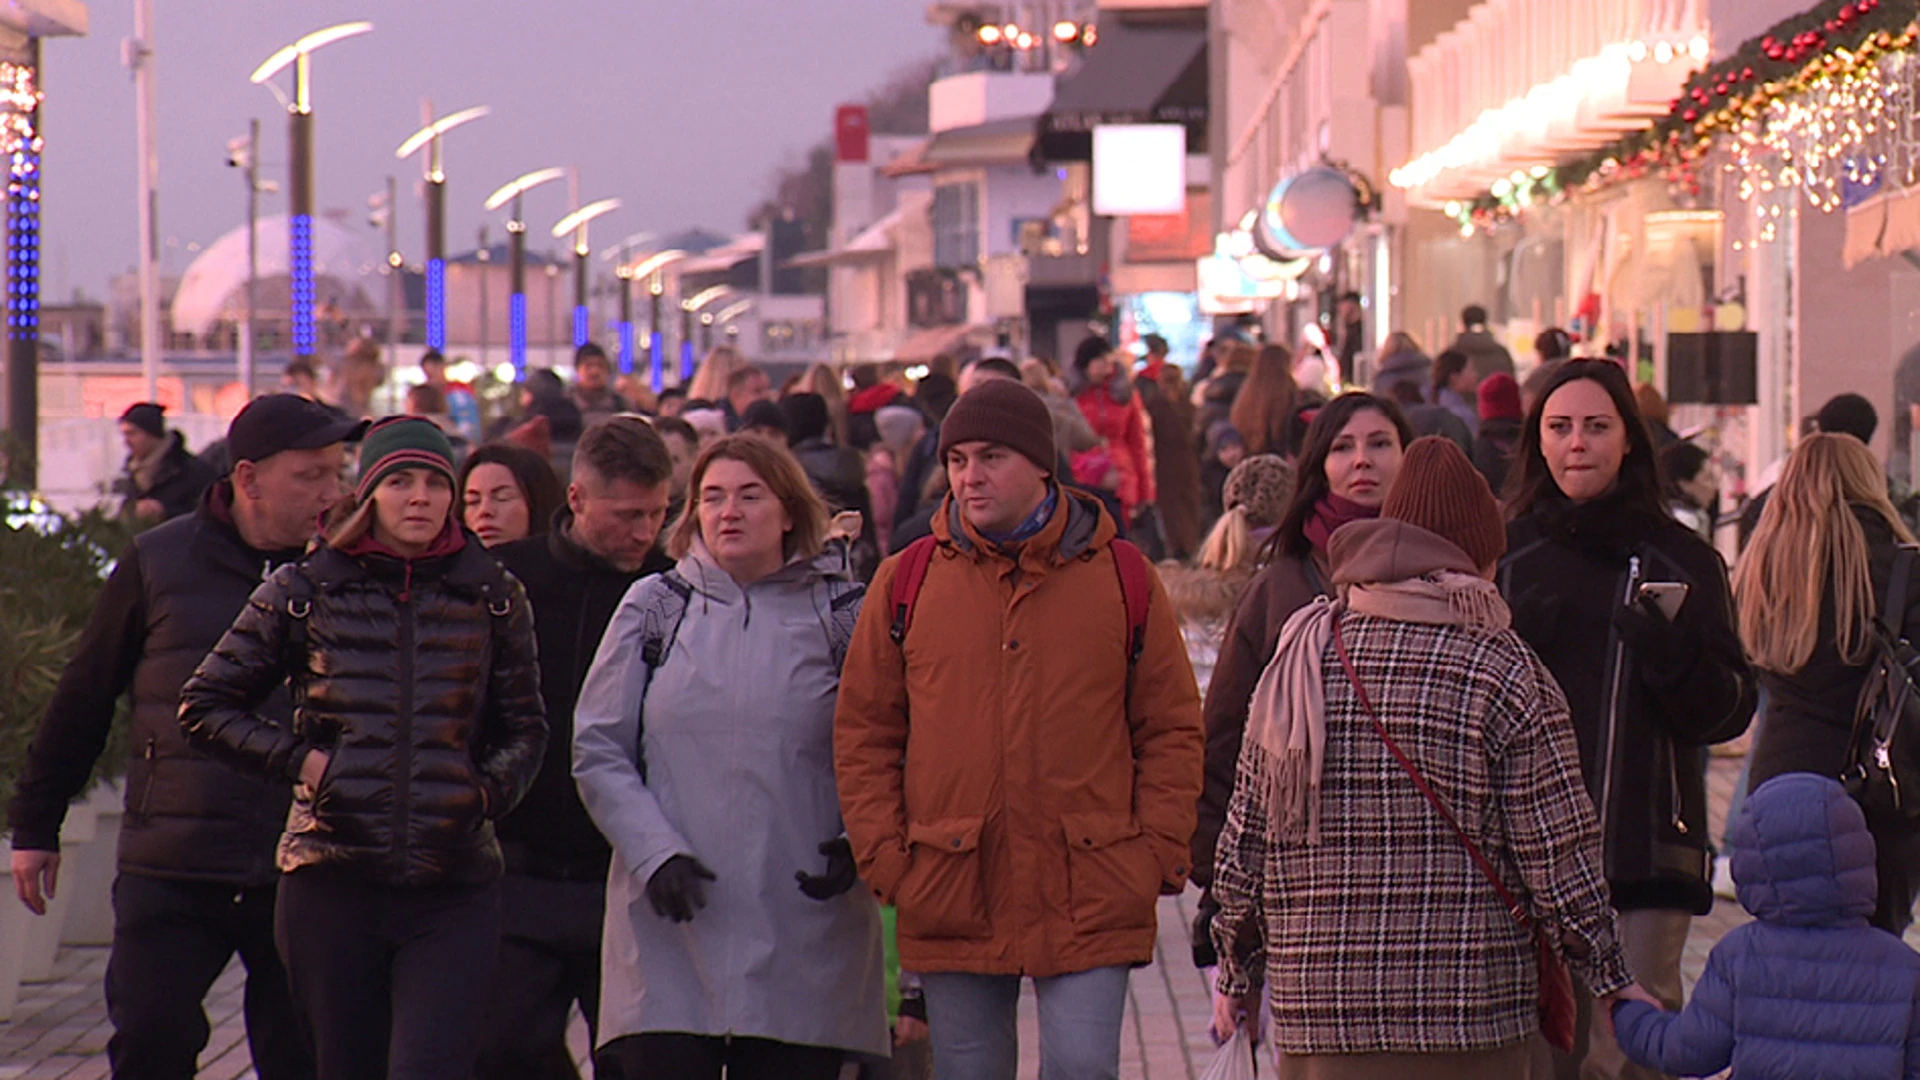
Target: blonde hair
{"type": "Point", "coordinates": [781, 472]}
{"type": "Point", "coordinates": [1808, 539]}
{"type": "Point", "coordinates": [1231, 544]}
{"type": "Point", "coordinates": [710, 381]}
{"type": "Point", "coordinates": [825, 380]}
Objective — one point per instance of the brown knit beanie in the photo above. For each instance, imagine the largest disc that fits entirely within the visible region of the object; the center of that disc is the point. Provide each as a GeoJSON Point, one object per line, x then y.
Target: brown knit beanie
{"type": "Point", "coordinates": [1005, 412]}
{"type": "Point", "coordinates": [1439, 490]}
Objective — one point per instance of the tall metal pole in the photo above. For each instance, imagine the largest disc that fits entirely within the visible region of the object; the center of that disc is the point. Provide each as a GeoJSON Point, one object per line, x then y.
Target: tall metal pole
{"type": "Point", "coordinates": [23, 297]}
{"type": "Point", "coordinates": [517, 300]}
{"type": "Point", "coordinates": [625, 278]}
{"type": "Point", "coordinates": [486, 264]}
{"type": "Point", "coordinates": [580, 268]}
{"type": "Point", "coordinates": [300, 210]}
{"type": "Point", "coordinates": [436, 190]}
{"type": "Point", "coordinates": [656, 343]}
{"type": "Point", "coordinates": [141, 56]}
{"type": "Point", "coordinates": [253, 254]}
{"type": "Point", "coordinates": [396, 272]}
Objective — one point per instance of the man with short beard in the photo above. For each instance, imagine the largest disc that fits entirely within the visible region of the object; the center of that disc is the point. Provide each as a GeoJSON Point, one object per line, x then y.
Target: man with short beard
{"type": "Point", "coordinates": [553, 896]}
{"type": "Point", "coordinates": [197, 877]}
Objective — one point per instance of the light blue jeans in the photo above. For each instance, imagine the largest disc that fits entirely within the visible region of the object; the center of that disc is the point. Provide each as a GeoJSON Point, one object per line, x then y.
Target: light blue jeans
{"type": "Point", "coordinates": [975, 1024]}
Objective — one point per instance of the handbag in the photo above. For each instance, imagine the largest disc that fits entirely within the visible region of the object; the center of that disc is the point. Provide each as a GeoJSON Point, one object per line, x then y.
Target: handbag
{"type": "Point", "coordinates": [1883, 766]}
{"type": "Point", "coordinates": [1559, 1015]}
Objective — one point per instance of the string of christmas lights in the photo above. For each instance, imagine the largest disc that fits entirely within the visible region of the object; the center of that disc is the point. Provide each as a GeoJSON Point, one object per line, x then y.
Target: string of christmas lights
{"type": "Point", "coordinates": [1822, 102]}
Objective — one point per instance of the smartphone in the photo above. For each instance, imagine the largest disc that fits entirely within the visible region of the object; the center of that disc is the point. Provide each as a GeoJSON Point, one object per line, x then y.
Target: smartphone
{"type": "Point", "coordinates": [1667, 596]}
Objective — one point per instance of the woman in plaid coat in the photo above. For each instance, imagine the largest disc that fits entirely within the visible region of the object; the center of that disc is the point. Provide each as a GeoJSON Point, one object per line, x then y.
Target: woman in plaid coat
{"type": "Point", "coordinates": [1387, 952]}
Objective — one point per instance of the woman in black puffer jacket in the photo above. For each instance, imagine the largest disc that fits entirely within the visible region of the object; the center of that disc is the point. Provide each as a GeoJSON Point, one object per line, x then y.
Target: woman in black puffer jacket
{"type": "Point", "coordinates": [417, 722]}
{"type": "Point", "coordinates": [1647, 693]}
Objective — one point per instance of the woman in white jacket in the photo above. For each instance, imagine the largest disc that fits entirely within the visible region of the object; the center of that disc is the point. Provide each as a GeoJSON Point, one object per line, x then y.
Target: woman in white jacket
{"type": "Point", "coordinates": [735, 935]}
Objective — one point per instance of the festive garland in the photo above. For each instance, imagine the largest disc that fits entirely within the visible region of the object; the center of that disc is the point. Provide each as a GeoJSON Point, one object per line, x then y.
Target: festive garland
{"type": "Point", "coordinates": [1833, 38]}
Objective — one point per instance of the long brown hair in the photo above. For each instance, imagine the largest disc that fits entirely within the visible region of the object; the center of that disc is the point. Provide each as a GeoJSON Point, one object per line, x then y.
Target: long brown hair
{"type": "Point", "coordinates": [1641, 483]}
{"type": "Point", "coordinates": [1263, 409]}
{"type": "Point", "coordinates": [781, 472]}
{"type": "Point", "coordinates": [1809, 540]}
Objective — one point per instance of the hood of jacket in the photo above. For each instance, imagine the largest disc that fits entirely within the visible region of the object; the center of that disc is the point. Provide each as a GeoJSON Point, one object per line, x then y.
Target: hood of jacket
{"type": "Point", "coordinates": [1200, 593]}
{"type": "Point", "coordinates": [1383, 550]}
{"type": "Point", "coordinates": [1802, 855]}
{"type": "Point", "coordinates": [700, 570]}
{"type": "Point", "coordinates": [1079, 525]}
{"type": "Point", "coordinates": [1412, 367]}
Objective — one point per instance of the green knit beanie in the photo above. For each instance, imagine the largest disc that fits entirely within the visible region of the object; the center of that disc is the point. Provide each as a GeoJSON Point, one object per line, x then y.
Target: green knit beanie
{"type": "Point", "coordinates": [402, 442]}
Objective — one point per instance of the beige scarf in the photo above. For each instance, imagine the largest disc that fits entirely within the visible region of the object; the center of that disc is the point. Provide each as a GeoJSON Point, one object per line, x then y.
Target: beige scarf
{"type": "Point", "coordinates": [1287, 716]}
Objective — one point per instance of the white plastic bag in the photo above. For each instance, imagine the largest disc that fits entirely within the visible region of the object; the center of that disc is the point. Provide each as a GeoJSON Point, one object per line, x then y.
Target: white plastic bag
{"type": "Point", "coordinates": [1233, 1061]}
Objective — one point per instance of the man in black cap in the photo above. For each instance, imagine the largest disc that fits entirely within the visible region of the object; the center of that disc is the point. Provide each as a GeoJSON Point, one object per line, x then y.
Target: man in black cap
{"type": "Point", "coordinates": [163, 479]}
{"type": "Point", "coordinates": [196, 879]}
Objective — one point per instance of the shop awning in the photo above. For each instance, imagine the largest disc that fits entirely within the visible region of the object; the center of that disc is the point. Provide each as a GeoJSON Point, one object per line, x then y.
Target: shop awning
{"type": "Point", "coordinates": [926, 344]}
{"type": "Point", "coordinates": [1145, 68]}
{"type": "Point", "coordinates": [873, 243]}
{"type": "Point", "coordinates": [996, 142]}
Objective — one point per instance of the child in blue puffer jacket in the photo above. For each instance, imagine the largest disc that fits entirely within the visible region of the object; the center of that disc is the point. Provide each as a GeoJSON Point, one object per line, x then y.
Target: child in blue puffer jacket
{"type": "Point", "coordinates": [1809, 990]}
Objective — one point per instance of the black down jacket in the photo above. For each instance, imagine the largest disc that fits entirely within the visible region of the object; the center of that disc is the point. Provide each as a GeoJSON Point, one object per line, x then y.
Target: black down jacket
{"type": "Point", "coordinates": [421, 683]}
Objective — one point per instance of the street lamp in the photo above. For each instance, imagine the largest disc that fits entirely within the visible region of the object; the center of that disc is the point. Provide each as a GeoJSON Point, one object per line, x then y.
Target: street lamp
{"type": "Point", "coordinates": [511, 192]}
{"type": "Point", "coordinates": [688, 309]}
{"type": "Point", "coordinates": [436, 192]}
{"type": "Point", "coordinates": [648, 269]}
{"type": "Point", "coordinates": [576, 223]}
{"type": "Point", "coordinates": [300, 168]}
{"type": "Point", "coordinates": [624, 272]}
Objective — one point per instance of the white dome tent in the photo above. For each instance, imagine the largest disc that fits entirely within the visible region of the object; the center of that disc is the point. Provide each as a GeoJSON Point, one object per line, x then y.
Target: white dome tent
{"type": "Point", "coordinates": [213, 290]}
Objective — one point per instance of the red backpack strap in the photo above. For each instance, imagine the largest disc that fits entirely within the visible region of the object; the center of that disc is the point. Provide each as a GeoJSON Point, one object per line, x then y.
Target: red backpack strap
{"type": "Point", "coordinates": [907, 579]}
{"type": "Point", "coordinates": [1136, 589]}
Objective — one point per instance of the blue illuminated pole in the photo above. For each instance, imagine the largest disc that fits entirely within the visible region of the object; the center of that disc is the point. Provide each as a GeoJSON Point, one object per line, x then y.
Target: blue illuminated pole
{"type": "Point", "coordinates": [300, 218]}
{"type": "Point", "coordinates": [517, 302]}
{"type": "Point", "coordinates": [437, 259]}
{"type": "Point", "coordinates": [656, 342]}
{"type": "Point", "coordinates": [580, 314]}
{"type": "Point", "coordinates": [23, 293]}
{"type": "Point", "coordinates": [625, 275]}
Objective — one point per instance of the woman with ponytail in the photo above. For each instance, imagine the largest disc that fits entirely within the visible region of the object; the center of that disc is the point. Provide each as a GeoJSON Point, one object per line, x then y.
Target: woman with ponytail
{"type": "Point", "coordinates": [1351, 456]}
{"type": "Point", "coordinates": [1257, 493]}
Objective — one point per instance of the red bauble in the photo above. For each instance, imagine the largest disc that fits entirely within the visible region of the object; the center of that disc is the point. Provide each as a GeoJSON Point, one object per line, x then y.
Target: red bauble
{"type": "Point", "coordinates": [1690, 115]}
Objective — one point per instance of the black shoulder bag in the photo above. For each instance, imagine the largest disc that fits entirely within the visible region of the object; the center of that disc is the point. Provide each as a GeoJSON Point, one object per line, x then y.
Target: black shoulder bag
{"type": "Point", "coordinates": [1883, 773]}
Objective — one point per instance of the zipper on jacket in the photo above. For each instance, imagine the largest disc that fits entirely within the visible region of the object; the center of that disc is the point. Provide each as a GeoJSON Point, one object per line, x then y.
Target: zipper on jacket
{"type": "Point", "coordinates": [1673, 777]}
{"type": "Point", "coordinates": [1614, 697]}
{"type": "Point", "coordinates": [146, 793]}
{"type": "Point", "coordinates": [403, 743]}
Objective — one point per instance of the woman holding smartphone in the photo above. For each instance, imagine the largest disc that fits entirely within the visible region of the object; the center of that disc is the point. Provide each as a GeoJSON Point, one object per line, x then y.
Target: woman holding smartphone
{"type": "Point", "coordinates": [1632, 614]}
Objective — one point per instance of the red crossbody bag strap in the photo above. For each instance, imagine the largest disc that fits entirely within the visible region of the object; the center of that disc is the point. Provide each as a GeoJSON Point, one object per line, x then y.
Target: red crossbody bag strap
{"type": "Point", "coordinates": [1518, 912]}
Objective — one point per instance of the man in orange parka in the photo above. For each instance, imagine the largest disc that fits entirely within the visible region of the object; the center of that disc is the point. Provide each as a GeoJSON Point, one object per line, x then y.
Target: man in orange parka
{"type": "Point", "coordinates": [1011, 781]}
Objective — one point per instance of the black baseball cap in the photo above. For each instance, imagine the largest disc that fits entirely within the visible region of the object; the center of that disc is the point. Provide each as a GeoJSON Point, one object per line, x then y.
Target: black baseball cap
{"type": "Point", "coordinates": [279, 422]}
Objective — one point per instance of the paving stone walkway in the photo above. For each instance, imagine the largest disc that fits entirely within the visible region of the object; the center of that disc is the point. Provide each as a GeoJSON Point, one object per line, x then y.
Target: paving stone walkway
{"type": "Point", "coordinates": [60, 1031]}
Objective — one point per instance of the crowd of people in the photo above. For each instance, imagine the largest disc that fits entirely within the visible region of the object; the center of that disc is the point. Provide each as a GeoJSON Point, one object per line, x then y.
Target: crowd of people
{"type": "Point", "coordinates": [787, 729]}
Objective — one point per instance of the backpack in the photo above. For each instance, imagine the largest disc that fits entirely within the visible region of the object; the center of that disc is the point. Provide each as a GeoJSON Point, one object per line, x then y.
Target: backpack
{"type": "Point", "coordinates": [1884, 771]}
{"type": "Point", "coordinates": [661, 619]}
{"type": "Point", "coordinates": [1136, 587]}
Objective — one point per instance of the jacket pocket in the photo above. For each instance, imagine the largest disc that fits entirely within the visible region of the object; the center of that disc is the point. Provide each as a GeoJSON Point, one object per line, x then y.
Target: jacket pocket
{"type": "Point", "coordinates": [943, 893]}
{"type": "Point", "coordinates": [1113, 879]}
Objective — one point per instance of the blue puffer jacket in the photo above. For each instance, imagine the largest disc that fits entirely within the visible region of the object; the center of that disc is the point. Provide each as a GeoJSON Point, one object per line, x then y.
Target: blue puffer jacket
{"type": "Point", "coordinates": [1810, 990]}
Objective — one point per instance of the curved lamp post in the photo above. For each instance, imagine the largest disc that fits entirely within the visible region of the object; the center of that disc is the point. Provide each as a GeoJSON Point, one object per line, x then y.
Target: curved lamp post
{"type": "Point", "coordinates": [649, 269]}
{"type": "Point", "coordinates": [688, 309]}
{"type": "Point", "coordinates": [511, 192]}
{"type": "Point", "coordinates": [576, 223]}
{"type": "Point", "coordinates": [623, 271]}
{"type": "Point", "coordinates": [436, 196]}
{"type": "Point", "coordinates": [300, 168]}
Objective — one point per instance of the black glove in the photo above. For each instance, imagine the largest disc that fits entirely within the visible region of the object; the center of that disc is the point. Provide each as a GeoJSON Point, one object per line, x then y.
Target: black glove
{"type": "Point", "coordinates": [676, 890]}
{"type": "Point", "coordinates": [1204, 953]}
{"type": "Point", "coordinates": [1665, 653]}
{"type": "Point", "coordinates": [913, 1005]}
{"type": "Point", "coordinates": [841, 876]}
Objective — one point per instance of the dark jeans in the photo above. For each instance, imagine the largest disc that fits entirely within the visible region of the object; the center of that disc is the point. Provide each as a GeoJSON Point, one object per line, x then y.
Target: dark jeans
{"type": "Point", "coordinates": [392, 982]}
{"type": "Point", "coordinates": [1897, 850]}
{"type": "Point", "coordinates": [549, 959]}
{"type": "Point", "coordinates": [669, 1056]}
{"type": "Point", "coordinates": [171, 940]}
